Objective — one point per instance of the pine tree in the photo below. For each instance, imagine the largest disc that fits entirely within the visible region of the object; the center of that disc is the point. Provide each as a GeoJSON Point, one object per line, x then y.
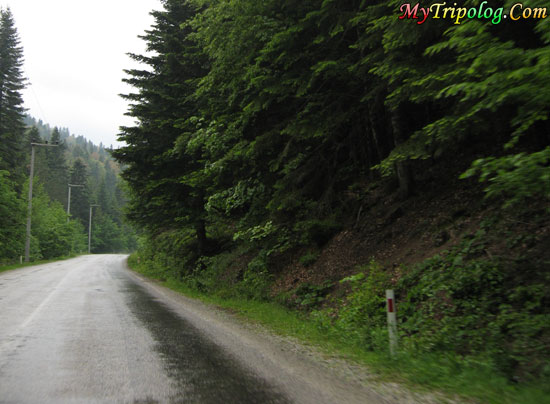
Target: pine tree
{"type": "Point", "coordinates": [80, 197]}
{"type": "Point", "coordinates": [295, 130]}
{"type": "Point", "coordinates": [163, 106]}
{"type": "Point", "coordinates": [56, 179]}
{"type": "Point", "coordinates": [12, 83]}
{"type": "Point", "coordinates": [41, 168]}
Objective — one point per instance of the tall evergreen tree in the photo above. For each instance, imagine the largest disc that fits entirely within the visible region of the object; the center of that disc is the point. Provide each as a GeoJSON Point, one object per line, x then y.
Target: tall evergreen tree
{"type": "Point", "coordinates": [56, 179]}
{"type": "Point", "coordinates": [256, 119]}
{"type": "Point", "coordinates": [33, 135]}
{"type": "Point", "coordinates": [41, 168]}
{"type": "Point", "coordinates": [12, 83]}
{"type": "Point", "coordinates": [80, 197]}
{"type": "Point", "coordinates": [164, 104]}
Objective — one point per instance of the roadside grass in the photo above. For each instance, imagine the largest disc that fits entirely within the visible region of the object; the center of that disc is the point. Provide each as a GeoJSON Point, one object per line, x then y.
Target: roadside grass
{"type": "Point", "coordinates": [460, 379]}
{"type": "Point", "coordinates": [11, 267]}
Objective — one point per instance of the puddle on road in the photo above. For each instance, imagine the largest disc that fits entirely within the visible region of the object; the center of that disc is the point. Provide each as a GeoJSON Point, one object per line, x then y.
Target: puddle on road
{"type": "Point", "coordinates": [201, 370]}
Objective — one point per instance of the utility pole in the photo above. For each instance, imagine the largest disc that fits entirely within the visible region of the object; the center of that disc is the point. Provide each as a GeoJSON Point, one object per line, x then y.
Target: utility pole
{"type": "Point", "coordinates": [29, 211]}
{"type": "Point", "coordinates": [90, 229]}
{"type": "Point", "coordinates": [69, 200]}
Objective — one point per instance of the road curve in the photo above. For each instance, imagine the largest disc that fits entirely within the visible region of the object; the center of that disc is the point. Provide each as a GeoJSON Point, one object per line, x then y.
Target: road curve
{"type": "Point", "coordinates": [87, 330]}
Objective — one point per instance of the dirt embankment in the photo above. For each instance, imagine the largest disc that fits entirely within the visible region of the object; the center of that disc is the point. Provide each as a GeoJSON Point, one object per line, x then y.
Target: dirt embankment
{"type": "Point", "coordinates": [399, 234]}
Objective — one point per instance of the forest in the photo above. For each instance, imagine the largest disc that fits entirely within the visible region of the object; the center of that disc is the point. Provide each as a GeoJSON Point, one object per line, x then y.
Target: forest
{"type": "Point", "coordinates": [74, 161]}
{"type": "Point", "coordinates": [314, 153]}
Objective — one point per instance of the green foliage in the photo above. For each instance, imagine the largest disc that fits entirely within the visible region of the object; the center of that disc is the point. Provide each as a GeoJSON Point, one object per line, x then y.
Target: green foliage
{"type": "Point", "coordinates": [318, 231]}
{"type": "Point", "coordinates": [306, 296]}
{"type": "Point", "coordinates": [162, 157]}
{"type": "Point", "coordinates": [168, 253]}
{"type": "Point", "coordinates": [55, 177]}
{"type": "Point", "coordinates": [97, 172]}
{"type": "Point", "coordinates": [108, 236]}
{"type": "Point", "coordinates": [252, 282]}
{"type": "Point", "coordinates": [518, 178]}
{"type": "Point", "coordinates": [256, 279]}
{"type": "Point", "coordinates": [477, 307]}
{"type": "Point", "coordinates": [54, 235]}
{"type": "Point", "coordinates": [362, 316]}
{"type": "Point", "coordinates": [254, 120]}
{"type": "Point", "coordinates": [12, 83]}
{"type": "Point", "coordinates": [468, 377]}
{"type": "Point", "coordinates": [256, 233]}
{"type": "Point", "coordinates": [80, 197]}
{"type": "Point", "coordinates": [79, 238]}
{"type": "Point", "coordinates": [12, 216]}
{"type": "Point", "coordinates": [309, 258]}
{"type": "Point", "coordinates": [51, 234]}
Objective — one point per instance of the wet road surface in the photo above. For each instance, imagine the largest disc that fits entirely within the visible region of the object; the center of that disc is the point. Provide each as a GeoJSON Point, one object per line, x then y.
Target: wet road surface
{"type": "Point", "coordinates": [86, 330]}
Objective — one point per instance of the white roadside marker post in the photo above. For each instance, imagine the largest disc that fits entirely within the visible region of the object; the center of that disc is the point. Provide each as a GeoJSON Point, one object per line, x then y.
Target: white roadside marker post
{"type": "Point", "coordinates": [392, 320]}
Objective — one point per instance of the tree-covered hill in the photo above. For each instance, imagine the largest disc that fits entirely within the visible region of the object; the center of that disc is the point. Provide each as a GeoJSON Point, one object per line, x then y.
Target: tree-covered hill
{"type": "Point", "coordinates": [74, 161]}
{"type": "Point", "coordinates": [78, 161]}
{"type": "Point", "coordinates": [268, 131]}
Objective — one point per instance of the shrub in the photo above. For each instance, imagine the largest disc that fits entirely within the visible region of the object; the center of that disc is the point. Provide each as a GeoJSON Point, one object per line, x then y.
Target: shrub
{"type": "Point", "coordinates": [256, 279]}
{"type": "Point", "coordinates": [477, 307]}
{"type": "Point", "coordinates": [361, 317]}
{"type": "Point", "coordinates": [517, 178]}
{"type": "Point", "coordinates": [309, 259]}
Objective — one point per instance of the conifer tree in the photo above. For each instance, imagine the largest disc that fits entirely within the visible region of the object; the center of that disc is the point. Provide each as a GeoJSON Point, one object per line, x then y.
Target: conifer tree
{"type": "Point", "coordinates": [80, 196]}
{"type": "Point", "coordinates": [12, 83]}
{"type": "Point", "coordinates": [40, 154]}
{"type": "Point", "coordinates": [55, 180]}
{"type": "Point", "coordinates": [163, 106]}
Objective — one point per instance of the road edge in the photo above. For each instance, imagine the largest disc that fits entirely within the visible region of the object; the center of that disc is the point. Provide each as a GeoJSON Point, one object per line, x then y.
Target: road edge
{"type": "Point", "coordinates": [327, 377]}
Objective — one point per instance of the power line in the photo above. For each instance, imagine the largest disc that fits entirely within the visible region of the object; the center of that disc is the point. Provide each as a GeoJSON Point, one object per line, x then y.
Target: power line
{"type": "Point", "coordinates": [43, 117]}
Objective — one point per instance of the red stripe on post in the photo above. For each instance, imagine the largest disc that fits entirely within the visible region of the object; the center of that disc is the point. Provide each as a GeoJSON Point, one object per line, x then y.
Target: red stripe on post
{"type": "Point", "coordinates": [390, 305]}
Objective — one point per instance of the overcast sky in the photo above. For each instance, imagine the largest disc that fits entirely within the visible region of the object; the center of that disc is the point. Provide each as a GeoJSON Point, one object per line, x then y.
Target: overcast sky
{"type": "Point", "coordinates": [75, 52]}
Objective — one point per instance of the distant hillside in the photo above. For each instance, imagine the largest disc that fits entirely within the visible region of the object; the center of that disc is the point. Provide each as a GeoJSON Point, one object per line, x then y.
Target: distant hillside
{"type": "Point", "coordinates": [83, 162]}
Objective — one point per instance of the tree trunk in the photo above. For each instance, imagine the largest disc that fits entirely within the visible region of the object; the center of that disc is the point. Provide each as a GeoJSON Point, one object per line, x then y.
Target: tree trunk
{"type": "Point", "coordinates": [200, 229]}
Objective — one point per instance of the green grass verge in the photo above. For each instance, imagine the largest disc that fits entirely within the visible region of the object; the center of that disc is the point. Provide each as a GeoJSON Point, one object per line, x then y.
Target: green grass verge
{"type": "Point", "coordinates": [471, 380]}
{"type": "Point", "coordinates": [12, 267]}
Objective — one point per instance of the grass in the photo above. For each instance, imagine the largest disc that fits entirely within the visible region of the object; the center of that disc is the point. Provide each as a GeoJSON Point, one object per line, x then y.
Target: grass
{"type": "Point", "coordinates": [471, 380]}
{"type": "Point", "coordinates": [11, 267]}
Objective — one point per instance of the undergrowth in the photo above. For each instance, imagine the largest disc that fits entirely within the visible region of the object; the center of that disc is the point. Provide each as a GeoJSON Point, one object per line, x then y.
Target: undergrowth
{"type": "Point", "coordinates": [453, 337]}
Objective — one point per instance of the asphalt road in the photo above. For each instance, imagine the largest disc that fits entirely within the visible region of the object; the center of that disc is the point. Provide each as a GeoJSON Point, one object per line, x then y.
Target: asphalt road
{"type": "Point", "coordinates": [87, 330]}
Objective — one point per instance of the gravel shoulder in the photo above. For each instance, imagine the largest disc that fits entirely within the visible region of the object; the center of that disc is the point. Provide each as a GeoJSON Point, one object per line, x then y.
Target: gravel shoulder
{"type": "Point", "coordinates": [304, 373]}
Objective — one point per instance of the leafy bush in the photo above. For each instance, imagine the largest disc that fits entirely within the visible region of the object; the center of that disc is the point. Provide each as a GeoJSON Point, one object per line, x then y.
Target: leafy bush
{"type": "Point", "coordinates": [364, 309]}
{"type": "Point", "coordinates": [309, 259]}
{"type": "Point", "coordinates": [306, 296]}
{"type": "Point", "coordinates": [256, 279]}
{"type": "Point", "coordinates": [361, 317]}
{"type": "Point", "coordinates": [11, 216]}
{"type": "Point", "coordinates": [208, 276]}
{"type": "Point", "coordinates": [317, 231]}
{"type": "Point", "coordinates": [517, 178]}
{"type": "Point", "coordinates": [55, 235]}
{"type": "Point", "coordinates": [477, 307]}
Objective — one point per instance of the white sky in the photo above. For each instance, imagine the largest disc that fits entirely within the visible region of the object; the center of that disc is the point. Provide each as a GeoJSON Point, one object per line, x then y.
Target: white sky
{"type": "Point", "coordinates": [75, 52]}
